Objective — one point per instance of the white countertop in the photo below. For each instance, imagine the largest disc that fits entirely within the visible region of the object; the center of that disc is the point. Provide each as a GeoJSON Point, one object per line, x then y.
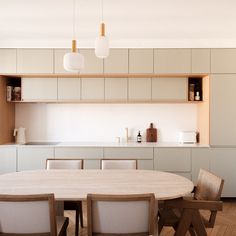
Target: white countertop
{"type": "Point", "coordinates": [110, 144]}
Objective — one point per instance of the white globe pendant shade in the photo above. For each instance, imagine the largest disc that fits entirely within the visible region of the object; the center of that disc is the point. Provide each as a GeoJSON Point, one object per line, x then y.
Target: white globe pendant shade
{"type": "Point", "coordinates": [102, 44]}
{"type": "Point", "coordinates": [102, 47]}
{"type": "Point", "coordinates": [73, 61]}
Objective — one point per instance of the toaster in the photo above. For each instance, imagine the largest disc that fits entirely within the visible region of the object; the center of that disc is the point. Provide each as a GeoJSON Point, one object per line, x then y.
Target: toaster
{"type": "Point", "coordinates": [188, 137]}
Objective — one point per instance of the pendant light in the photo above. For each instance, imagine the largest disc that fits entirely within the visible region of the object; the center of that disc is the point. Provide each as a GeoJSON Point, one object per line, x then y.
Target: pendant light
{"type": "Point", "coordinates": [102, 42]}
{"type": "Point", "coordinates": [73, 61]}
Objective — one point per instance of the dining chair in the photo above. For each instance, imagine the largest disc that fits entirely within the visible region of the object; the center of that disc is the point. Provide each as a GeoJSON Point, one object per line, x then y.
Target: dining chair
{"type": "Point", "coordinates": [184, 214]}
{"type": "Point", "coordinates": [69, 205]}
{"type": "Point", "coordinates": [118, 164]}
{"type": "Point", "coordinates": [121, 214]}
{"type": "Point", "coordinates": [33, 215]}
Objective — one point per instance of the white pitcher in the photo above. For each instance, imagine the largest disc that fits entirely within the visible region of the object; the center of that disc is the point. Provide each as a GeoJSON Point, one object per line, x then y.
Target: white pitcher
{"type": "Point", "coordinates": [20, 135]}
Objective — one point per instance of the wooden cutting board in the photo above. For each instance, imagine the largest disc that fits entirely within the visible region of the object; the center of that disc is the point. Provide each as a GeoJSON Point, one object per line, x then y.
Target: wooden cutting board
{"type": "Point", "coordinates": [151, 134]}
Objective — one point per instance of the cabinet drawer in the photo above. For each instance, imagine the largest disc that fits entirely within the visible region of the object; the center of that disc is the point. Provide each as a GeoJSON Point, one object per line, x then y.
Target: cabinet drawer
{"type": "Point", "coordinates": [126, 153]}
{"type": "Point", "coordinates": [172, 159]}
{"type": "Point", "coordinates": [79, 152]}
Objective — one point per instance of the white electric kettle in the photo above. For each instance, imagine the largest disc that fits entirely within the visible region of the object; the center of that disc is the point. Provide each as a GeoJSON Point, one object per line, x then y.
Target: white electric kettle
{"type": "Point", "coordinates": [20, 135]}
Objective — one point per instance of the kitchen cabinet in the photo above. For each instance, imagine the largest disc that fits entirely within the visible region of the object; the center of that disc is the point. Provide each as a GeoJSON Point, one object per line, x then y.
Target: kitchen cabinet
{"type": "Point", "coordinates": [143, 155]}
{"type": "Point", "coordinates": [117, 62]}
{"type": "Point", "coordinates": [92, 89]}
{"type": "Point", "coordinates": [35, 61]}
{"type": "Point", "coordinates": [33, 158]}
{"type": "Point", "coordinates": [69, 88]}
{"type": "Point", "coordinates": [93, 65]}
{"type": "Point", "coordinates": [58, 61]}
{"type": "Point", "coordinates": [7, 61]}
{"type": "Point", "coordinates": [172, 61]}
{"type": "Point", "coordinates": [223, 60]}
{"type": "Point", "coordinates": [39, 89]}
{"type": "Point", "coordinates": [169, 89]}
{"type": "Point", "coordinates": [90, 155]}
{"type": "Point", "coordinates": [8, 159]}
{"type": "Point", "coordinates": [116, 89]}
{"type": "Point", "coordinates": [139, 89]}
{"type": "Point", "coordinates": [222, 163]}
{"type": "Point", "coordinates": [200, 160]}
{"type": "Point", "coordinates": [223, 110]}
{"type": "Point", "coordinates": [201, 60]}
{"type": "Point", "coordinates": [140, 60]}
{"type": "Point", "coordinates": [176, 160]}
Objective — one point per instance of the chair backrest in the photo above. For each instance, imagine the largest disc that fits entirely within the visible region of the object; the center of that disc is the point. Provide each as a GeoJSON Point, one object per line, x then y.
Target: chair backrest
{"type": "Point", "coordinates": [121, 214]}
{"type": "Point", "coordinates": [118, 164]}
{"type": "Point", "coordinates": [28, 214]}
{"type": "Point", "coordinates": [209, 186]}
{"type": "Point", "coordinates": [64, 164]}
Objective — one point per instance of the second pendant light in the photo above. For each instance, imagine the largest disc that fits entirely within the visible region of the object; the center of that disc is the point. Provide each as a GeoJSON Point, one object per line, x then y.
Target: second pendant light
{"type": "Point", "coordinates": [102, 42]}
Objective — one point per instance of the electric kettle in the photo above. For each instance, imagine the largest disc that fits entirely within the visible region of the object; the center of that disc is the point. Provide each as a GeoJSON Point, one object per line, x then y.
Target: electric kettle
{"type": "Point", "coordinates": [20, 135]}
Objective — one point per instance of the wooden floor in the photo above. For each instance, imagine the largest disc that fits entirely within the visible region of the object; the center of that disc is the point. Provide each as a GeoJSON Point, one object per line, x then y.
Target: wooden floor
{"type": "Point", "coordinates": [225, 222]}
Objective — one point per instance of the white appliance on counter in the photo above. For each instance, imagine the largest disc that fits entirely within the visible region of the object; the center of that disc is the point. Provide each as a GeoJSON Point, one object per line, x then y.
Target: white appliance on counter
{"type": "Point", "coordinates": [20, 135]}
{"type": "Point", "coordinates": [188, 137]}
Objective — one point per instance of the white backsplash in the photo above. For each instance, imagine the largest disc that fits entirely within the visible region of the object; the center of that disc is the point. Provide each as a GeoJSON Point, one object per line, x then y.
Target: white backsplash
{"type": "Point", "coordinates": [103, 122]}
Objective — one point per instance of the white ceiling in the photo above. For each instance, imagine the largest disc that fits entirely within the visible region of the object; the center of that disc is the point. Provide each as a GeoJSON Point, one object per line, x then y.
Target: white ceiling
{"type": "Point", "coordinates": [129, 23]}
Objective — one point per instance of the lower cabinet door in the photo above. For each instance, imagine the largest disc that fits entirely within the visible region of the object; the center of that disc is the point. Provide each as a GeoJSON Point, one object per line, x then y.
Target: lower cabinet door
{"type": "Point", "coordinates": [92, 164]}
{"type": "Point", "coordinates": [33, 158]}
{"type": "Point", "coordinates": [7, 159]}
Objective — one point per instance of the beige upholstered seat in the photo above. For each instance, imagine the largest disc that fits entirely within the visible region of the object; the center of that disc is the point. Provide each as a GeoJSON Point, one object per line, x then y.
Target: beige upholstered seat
{"type": "Point", "coordinates": [118, 164]}
{"type": "Point", "coordinates": [30, 214]}
{"type": "Point", "coordinates": [121, 214]}
{"type": "Point", "coordinates": [69, 205]}
{"type": "Point", "coordinates": [184, 215]}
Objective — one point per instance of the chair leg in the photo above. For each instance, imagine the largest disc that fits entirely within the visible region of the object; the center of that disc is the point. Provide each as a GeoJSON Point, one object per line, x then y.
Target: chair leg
{"type": "Point", "coordinates": [184, 223]}
{"type": "Point", "coordinates": [81, 215]}
{"type": "Point", "coordinates": [198, 224]}
{"type": "Point", "coordinates": [77, 213]}
{"type": "Point", "coordinates": [192, 232]}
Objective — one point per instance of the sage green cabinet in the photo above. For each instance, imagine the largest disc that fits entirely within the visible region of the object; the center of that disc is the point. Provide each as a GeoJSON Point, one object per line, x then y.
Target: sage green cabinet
{"type": "Point", "coordinates": [172, 61]}
{"type": "Point", "coordinates": [223, 110]}
{"type": "Point", "coordinates": [35, 61]}
{"type": "Point", "coordinates": [170, 89]}
{"type": "Point", "coordinates": [201, 59]}
{"type": "Point", "coordinates": [140, 60]}
{"type": "Point", "coordinates": [8, 157]}
{"type": "Point", "coordinates": [223, 60]}
{"type": "Point", "coordinates": [139, 89]}
{"type": "Point", "coordinates": [69, 88]}
{"type": "Point", "coordinates": [7, 61]}
{"type": "Point", "coordinates": [117, 62]}
{"type": "Point", "coordinates": [116, 89]}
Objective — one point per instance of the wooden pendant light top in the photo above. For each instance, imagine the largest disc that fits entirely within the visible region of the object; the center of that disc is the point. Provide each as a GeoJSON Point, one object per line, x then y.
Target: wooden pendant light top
{"type": "Point", "coordinates": [102, 29]}
{"type": "Point", "coordinates": [73, 45]}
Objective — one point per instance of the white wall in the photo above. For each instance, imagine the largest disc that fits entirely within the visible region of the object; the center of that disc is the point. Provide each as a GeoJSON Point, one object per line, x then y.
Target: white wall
{"type": "Point", "coordinates": [103, 122]}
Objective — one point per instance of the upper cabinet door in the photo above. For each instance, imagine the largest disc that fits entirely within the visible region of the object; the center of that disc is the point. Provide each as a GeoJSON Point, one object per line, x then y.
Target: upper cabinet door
{"type": "Point", "coordinates": [141, 61]}
{"type": "Point", "coordinates": [34, 61]}
{"type": "Point", "coordinates": [223, 110]}
{"type": "Point", "coordinates": [69, 88]}
{"type": "Point", "coordinates": [58, 61]}
{"type": "Point", "coordinates": [170, 89]}
{"type": "Point", "coordinates": [223, 60]}
{"type": "Point", "coordinates": [93, 65]}
{"type": "Point", "coordinates": [139, 89]}
{"type": "Point", "coordinates": [116, 89]}
{"type": "Point", "coordinates": [117, 62]}
{"type": "Point", "coordinates": [201, 60]}
{"type": "Point", "coordinates": [7, 61]}
{"type": "Point", "coordinates": [92, 89]}
{"type": "Point", "coordinates": [37, 89]}
{"type": "Point", "coordinates": [172, 61]}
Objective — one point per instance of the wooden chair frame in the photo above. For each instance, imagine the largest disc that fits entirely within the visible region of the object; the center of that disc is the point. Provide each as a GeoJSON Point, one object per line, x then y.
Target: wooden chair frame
{"type": "Point", "coordinates": [64, 159]}
{"type": "Point", "coordinates": [121, 198]}
{"type": "Point", "coordinates": [190, 218]}
{"type": "Point", "coordinates": [72, 205]}
{"type": "Point", "coordinates": [118, 159]}
{"type": "Point", "coordinates": [36, 197]}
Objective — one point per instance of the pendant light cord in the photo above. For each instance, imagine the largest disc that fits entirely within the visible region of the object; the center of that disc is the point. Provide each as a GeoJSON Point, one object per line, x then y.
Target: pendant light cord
{"type": "Point", "coordinates": [74, 9]}
{"type": "Point", "coordinates": [102, 9]}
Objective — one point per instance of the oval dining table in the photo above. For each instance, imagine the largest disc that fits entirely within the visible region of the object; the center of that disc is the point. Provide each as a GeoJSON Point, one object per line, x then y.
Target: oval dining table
{"type": "Point", "coordinates": [74, 185]}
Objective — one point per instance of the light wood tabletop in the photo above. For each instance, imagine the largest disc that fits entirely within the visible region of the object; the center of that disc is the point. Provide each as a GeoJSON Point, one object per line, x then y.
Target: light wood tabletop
{"type": "Point", "coordinates": [76, 184]}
